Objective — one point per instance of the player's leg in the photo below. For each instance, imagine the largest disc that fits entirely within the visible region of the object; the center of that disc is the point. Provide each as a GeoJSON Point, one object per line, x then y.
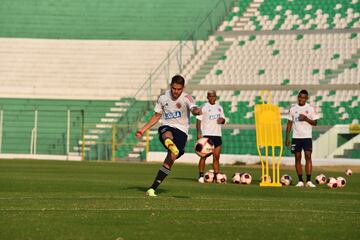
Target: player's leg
{"type": "Point", "coordinates": [297, 149]}
{"type": "Point", "coordinates": [168, 139]}
{"type": "Point", "coordinates": [308, 162]}
{"type": "Point", "coordinates": [298, 168]}
{"type": "Point", "coordinates": [201, 168]}
{"type": "Point", "coordinates": [308, 169]}
{"type": "Point", "coordinates": [165, 169]}
{"type": "Point", "coordinates": [216, 160]}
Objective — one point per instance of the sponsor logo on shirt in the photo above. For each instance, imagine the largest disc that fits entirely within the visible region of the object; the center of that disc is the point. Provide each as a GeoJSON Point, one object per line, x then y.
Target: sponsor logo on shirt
{"type": "Point", "coordinates": [214, 116]}
{"type": "Point", "coordinates": [170, 115]}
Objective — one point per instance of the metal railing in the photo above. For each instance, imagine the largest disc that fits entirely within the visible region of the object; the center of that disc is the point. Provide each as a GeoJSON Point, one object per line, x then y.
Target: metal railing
{"type": "Point", "coordinates": [40, 131]}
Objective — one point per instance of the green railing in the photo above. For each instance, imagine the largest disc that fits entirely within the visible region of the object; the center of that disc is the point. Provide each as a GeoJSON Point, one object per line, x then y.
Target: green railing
{"type": "Point", "coordinates": [54, 132]}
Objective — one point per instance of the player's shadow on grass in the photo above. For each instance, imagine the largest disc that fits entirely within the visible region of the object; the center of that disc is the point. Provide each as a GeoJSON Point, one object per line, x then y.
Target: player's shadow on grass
{"type": "Point", "coordinates": [144, 189]}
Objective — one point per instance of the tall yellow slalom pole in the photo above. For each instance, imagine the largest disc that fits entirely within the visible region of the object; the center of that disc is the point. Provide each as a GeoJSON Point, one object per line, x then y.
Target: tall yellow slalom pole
{"type": "Point", "coordinates": [268, 137]}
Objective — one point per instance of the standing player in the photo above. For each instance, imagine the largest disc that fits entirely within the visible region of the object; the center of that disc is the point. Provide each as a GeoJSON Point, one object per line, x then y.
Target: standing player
{"type": "Point", "coordinates": [209, 125]}
{"type": "Point", "coordinates": [302, 117]}
{"type": "Point", "coordinates": [173, 108]}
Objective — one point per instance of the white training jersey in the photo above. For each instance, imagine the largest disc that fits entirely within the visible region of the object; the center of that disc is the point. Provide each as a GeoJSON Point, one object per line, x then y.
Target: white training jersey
{"type": "Point", "coordinates": [302, 129]}
{"type": "Point", "coordinates": [209, 117]}
{"type": "Point", "coordinates": [175, 113]}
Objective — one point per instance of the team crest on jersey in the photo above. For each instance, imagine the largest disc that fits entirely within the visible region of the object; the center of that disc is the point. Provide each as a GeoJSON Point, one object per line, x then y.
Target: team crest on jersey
{"type": "Point", "coordinates": [170, 115]}
{"type": "Point", "coordinates": [178, 105]}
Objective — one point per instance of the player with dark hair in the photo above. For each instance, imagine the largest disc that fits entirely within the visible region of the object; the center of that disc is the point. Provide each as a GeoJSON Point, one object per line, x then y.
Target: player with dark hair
{"type": "Point", "coordinates": [208, 125]}
{"type": "Point", "coordinates": [302, 116]}
{"type": "Point", "coordinates": [173, 108]}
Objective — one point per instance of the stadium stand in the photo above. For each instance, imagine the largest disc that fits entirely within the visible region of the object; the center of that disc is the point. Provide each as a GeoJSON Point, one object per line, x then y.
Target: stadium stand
{"type": "Point", "coordinates": [58, 69]}
{"type": "Point", "coordinates": [282, 60]}
{"type": "Point", "coordinates": [294, 14]}
{"type": "Point", "coordinates": [91, 59]}
{"type": "Point", "coordinates": [326, 62]}
{"type": "Point", "coordinates": [110, 20]}
{"type": "Point", "coordinates": [280, 45]}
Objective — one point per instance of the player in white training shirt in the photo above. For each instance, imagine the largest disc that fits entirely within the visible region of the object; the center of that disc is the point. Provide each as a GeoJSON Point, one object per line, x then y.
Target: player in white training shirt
{"type": "Point", "coordinates": [302, 116]}
{"type": "Point", "coordinates": [173, 108]}
{"type": "Point", "coordinates": [208, 125]}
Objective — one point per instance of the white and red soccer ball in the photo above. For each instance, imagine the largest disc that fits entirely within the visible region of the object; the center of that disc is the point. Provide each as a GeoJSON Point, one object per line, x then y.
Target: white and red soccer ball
{"type": "Point", "coordinates": [221, 178]}
{"type": "Point", "coordinates": [320, 179]}
{"type": "Point", "coordinates": [341, 182]}
{"type": "Point", "coordinates": [245, 178]}
{"type": "Point", "coordinates": [348, 172]}
{"type": "Point", "coordinates": [332, 182]}
{"type": "Point", "coordinates": [286, 180]}
{"type": "Point", "coordinates": [204, 147]}
{"type": "Point", "coordinates": [236, 178]}
{"type": "Point", "coordinates": [209, 176]}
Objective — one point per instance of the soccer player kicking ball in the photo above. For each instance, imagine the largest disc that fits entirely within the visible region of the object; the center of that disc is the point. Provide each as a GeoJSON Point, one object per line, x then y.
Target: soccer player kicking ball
{"type": "Point", "coordinates": [209, 125]}
{"type": "Point", "coordinates": [302, 117]}
{"type": "Point", "coordinates": [173, 108]}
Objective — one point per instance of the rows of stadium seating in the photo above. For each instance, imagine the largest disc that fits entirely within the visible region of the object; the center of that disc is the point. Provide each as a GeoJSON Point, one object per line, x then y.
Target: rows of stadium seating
{"type": "Point", "coordinates": [34, 66]}
{"type": "Point", "coordinates": [295, 14]}
{"type": "Point", "coordinates": [58, 69]}
{"type": "Point", "coordinates": [125, 19]}
{"type": "Point", "coordinates": [281, 59]}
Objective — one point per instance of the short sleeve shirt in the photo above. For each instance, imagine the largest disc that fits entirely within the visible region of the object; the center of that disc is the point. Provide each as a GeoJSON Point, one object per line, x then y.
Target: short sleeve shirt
{"type": "Point", "coordinates": [175, 113]}
{"type": "Point", "coordinates": [209, 117]}
{"type": "Point", "coordinates": [302, 129]}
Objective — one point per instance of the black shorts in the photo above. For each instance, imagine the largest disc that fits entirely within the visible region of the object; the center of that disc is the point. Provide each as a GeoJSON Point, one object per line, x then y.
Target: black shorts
{"type": "Point", "coordinates": [180, 138]}
{"type": "Point", "coordinates": [299, 144]}
{"type": "Point", "coordinates": [216, 140]}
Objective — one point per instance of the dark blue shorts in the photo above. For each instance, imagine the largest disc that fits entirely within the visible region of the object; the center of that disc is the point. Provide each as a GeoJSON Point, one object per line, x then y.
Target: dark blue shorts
{"type": "Point", "coordinates": [180, 138]}
{"type": "Point", "coordinates": [216, 140]}
{"type": "Point", "coordinates": [299, 144]}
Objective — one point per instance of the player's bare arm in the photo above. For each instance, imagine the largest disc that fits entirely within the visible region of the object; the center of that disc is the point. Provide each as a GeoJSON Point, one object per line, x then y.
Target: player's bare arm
{"type": "Point", "coordinates": [196, 110]}
{"type": "Point", "coordinates": [303, 117]}
{"type": "Point", "coordinates": [288, 129]}
{"type": "Point", "coordinates": [220, 120]}
{"type": "Point", "coordinates": [152, 121]}
{"type": "Point", "coordinates": [198, 128]}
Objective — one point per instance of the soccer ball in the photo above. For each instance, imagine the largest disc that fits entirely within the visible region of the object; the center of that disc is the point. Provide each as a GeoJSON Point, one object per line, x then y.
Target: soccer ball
{"type": "Point", "coordinates": [348, 172]}
{"type": "Point", "coordinates": [221, 178]}
{"type": "Point", "coordinates": [245, 178]}
{"type": "Point", "coordinates": [341, 182]}
{"type": "Point", "coordinates": [332, 182]}
{"type": "Point", "coordinates": [236, 178]}
{"type": "Point", "coordinates": [320, 179]}
{"type": "Point", "coordinates": [286, 180]}
{"type": "Point", "coordinates": [209, 176]}
{"type": "Point", "coordinates": [266, 177]}
{"type": "Point", "coordinates": [204, 147]}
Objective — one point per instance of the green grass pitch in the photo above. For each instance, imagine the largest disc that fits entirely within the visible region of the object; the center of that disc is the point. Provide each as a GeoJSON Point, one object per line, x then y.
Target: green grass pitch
{"type": "Point", "coordinates": [100, 200]}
